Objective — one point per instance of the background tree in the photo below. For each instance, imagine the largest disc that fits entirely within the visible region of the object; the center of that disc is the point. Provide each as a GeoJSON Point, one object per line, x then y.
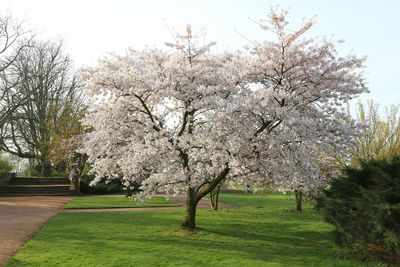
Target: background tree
{"type": "Point", "coordinates": [305, 187]}
{"type": "Point", "coordinates": [379, 137]}
{"type": "Point", "coordinates": [51, 91]}
{"type": "Point", "coordinates": [68, 127]}
{"type": "Point", "coordinates": [14, 38]}
{"type": "Point", "coordinates": [76, 161]}
{"type": "Point", "coordinates": [193, 118]}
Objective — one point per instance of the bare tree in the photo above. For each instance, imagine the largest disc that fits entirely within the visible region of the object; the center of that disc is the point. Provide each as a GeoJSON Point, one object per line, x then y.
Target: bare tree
{"type": "Point", "coordinates": [49, 85]}
{"type": "Point", "coordinates": [13, 40]}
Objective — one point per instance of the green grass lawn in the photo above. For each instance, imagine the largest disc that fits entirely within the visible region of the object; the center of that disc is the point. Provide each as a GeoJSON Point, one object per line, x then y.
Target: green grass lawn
{"type": "Point", "coordinates": [273, 235]}
{"type": "Point", "coordinates": [262, 200]}
{"type": "Point", "coordinates": [97, 202]}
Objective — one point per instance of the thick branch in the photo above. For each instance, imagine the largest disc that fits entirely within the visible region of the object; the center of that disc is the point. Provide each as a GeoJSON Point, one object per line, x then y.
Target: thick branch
{"type": "Point", "coordinates": [213, 184]}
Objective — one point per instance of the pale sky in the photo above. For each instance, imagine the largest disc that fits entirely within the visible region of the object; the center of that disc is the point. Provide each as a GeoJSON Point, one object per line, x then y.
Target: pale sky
{"type": "Point", "coordinates": [90, 28]}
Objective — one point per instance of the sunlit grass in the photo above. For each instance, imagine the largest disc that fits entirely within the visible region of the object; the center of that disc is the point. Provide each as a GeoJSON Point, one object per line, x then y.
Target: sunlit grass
{"type": "Point", "coordinates": [270, 235]}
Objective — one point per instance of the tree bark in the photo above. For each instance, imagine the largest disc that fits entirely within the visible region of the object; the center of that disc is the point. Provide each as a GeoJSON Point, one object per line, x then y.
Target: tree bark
{"type": "Point", "coordinates": [195, 195]}
{"type": "Point", "coordinates": [191, 206]}
{"type": "Point", "coordinates": [299, 199]}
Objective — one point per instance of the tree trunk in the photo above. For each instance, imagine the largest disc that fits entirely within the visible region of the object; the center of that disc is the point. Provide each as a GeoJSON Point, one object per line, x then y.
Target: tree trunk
{"type": "Point", "coordinates": [75, 182]}
{"type": "Point", "coordinates": [45, 169]}
{"type": "Point", "coordinates": [77, 186]}
{"type": "Point", "coordinates": [191, 205]}
{"type": "Point", "coordinates": [299, 198]}
{"type": "Point", "coordinates": [247, 189]}
{"type": "Point", "coordinates": [194, 196]}
{"type": "Point", "coordinates": [77, 166]}
{"type": "Point", "coordinates": [129, 191]}
{"type": "Point", "coordinates": [214, 195]}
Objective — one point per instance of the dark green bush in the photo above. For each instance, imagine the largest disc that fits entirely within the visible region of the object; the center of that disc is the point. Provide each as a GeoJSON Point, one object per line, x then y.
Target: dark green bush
{"type": "Point", "coordinates": [364, 207]}
{"type": "Point", "coordinates": [114, 186]}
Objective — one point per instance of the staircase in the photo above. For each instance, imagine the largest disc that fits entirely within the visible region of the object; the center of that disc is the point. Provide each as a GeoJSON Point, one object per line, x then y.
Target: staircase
{"type": "Point", "coordinates": [36, 186]}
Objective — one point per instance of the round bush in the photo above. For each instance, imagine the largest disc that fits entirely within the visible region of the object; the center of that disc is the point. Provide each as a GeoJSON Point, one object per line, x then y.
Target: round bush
{"type": "Point", "coordinates": [114, 186]}
{"type": "Point", "coordinates": [364, 207]}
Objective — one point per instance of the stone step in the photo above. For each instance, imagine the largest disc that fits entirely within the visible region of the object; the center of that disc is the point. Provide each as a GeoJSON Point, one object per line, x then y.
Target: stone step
{"type": "Point", "coordinates": [40, 181]}
{"type": "Point", "coordinates": [7, 194]}
{"type": "Point", "coordinates": [35, 189]}
{"type": "Point", "coordinates": [36, 186]}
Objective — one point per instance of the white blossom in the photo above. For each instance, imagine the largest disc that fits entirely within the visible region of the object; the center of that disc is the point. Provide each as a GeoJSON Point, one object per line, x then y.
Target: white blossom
{"type": "Point", "coordinates": [191, 117]}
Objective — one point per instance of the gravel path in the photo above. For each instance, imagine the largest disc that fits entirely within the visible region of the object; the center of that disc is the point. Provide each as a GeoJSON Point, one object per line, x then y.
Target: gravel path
{"type": "Point", "coordinates": [22, 217]}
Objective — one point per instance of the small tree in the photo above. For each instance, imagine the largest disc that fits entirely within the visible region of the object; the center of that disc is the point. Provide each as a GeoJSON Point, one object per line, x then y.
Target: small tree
{"type": "Point", "coordinates": [310, 187]}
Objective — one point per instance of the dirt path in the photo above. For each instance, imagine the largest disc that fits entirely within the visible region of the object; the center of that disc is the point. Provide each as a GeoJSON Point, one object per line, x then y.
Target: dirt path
{"type": "Point", "coordinates": [22, 217]}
